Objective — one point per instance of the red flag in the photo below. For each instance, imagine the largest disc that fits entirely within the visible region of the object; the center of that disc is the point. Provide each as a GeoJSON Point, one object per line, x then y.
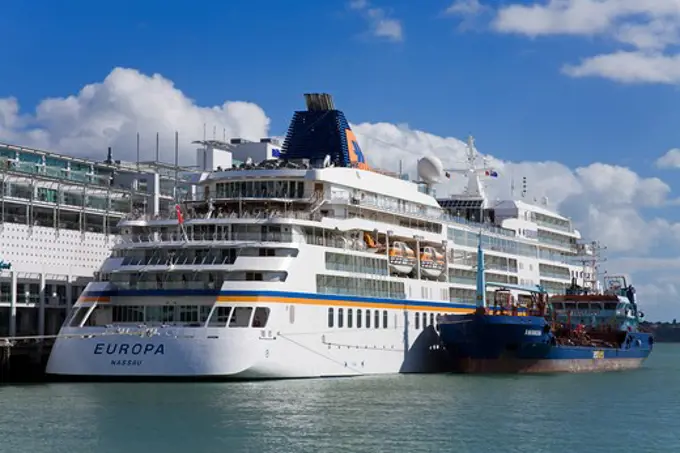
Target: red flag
{"type": "Point", "coordinates": [180, 217]}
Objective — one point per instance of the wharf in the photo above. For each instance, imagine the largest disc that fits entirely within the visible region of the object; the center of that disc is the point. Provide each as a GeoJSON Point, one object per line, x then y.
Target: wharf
{"type": "Point", "coordinates": [23, 359]}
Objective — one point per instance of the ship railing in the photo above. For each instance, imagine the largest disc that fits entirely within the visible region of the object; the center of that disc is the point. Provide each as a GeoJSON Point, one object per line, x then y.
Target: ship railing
{"type": "Point", "coordinates": [319, 198]}
{"type": "Point", "coordinates": [557, 275]}
{"type": "Point", "coordinates": [235, 214]}
{"type": "Point", "coordinates": [552, 225]}
{"type": "Point", "coordinates": [557, 242]}
{"type": "Point", "coordinates": [425, 213]}
{"type": "Point", "coordinates": [185, 258]}
{"type": "Point", "coordinates": [166, 240]}
{"type": "Point", "coordinates": [161, 285]}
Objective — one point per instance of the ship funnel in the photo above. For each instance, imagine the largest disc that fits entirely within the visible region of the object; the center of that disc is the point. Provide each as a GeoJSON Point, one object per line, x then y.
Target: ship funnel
{"type": "Point", "coordinates": [319, 102]}
{"type": "Point", "coordinates": [322, 131]}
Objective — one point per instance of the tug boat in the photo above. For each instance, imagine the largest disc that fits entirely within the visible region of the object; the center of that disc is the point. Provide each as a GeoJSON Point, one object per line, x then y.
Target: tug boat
{"type": "Point", "coordinates": [575, 332]}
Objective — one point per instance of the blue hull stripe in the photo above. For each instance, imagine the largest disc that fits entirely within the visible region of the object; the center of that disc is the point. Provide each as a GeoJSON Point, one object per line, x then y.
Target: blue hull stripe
{"type": "Point", "coordinates": [281, 294]}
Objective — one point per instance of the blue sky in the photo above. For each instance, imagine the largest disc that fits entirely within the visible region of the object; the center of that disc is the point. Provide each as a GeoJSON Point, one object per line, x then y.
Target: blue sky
{"type": "Point", "coordinates": [589, 84]}
{"type": "Point", "coordinates": [507, 90]}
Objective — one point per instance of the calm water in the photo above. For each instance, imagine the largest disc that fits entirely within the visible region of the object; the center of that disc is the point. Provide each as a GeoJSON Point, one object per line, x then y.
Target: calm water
{"type": "Point", "coordinates": [635, 411]}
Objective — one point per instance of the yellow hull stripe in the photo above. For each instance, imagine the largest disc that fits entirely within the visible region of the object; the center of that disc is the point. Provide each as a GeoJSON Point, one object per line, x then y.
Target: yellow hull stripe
{"type": "Point", "coordinates": [336, 303]}
{"type": "Point", "coordinates": [100, 299]}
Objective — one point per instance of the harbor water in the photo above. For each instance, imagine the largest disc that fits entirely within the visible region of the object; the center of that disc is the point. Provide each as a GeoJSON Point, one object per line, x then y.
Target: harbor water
{"type": "Point", "coordinates": [622, 411]}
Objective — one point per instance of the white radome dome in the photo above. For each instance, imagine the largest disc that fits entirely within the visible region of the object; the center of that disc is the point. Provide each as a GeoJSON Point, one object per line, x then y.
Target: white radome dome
{"type": "Point", "coordinates": [430, 169]}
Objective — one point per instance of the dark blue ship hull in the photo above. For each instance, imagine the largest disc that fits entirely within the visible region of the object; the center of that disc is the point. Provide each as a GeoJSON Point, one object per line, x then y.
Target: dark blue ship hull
{"type": "Point", "coordinates": [482, 343]}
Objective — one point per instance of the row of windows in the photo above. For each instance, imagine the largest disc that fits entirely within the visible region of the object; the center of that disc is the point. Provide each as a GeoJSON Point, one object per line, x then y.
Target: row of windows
{"type": "Point", "coordinates": [185, 315]}
{"type": "Point", "coordinates": [353, 263]}
{"type": "Point", "coordinates": [550, 222]}
{"type": "Point", "coordinates": [366, 316]}
{"type": "Point", "coordinates": [188, 280]}
{"type": "Point", "coordinates": [166, 280]}
{"type": "Point", "coordinates": [196, 256]}
{"type": "Point", "coordinates": [359, 317]}
{"type": "Point", "coordinates": [330, 284]}
{"type": "Point", "coordinates": [512, 247]}
{"type": "Point", "coordinates": [553, 287]}
{"type": "Point", "coordinates": [392, 204]}
{"type": "Point", "coordinates": [77, 199]}
{"type": "Point", "coordinates": [260, 189]}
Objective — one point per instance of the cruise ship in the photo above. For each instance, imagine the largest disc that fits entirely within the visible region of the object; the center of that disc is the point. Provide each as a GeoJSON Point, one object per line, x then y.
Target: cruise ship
{"type": "Point", "coordinates": [59, 218]}
{"type": "Point", "coordinates": [305, 261]}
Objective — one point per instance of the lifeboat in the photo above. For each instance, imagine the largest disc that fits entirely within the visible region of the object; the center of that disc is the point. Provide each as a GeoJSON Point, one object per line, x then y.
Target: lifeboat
{"type": "Point", "coordinates": [402, 258]}
{"type": "Point", "coordinates": [431, 262]}
{"type": "Point", "coordinates": [371, 245]}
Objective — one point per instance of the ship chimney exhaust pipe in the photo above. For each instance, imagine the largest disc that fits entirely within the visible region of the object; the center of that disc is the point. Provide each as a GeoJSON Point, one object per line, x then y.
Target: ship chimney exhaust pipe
{"type": "Point", "coordinates": [319, 102]}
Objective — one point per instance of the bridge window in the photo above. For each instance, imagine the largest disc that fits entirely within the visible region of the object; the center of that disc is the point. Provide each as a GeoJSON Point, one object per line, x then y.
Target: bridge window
{"type": "Point", "coordinates": [79, 316]}
{"type": "Point", "coordinates": [376, 324]}
{"type": "Point", "coordinates": [432, 319]}
{"type": "Point", "coordinates": [100, 316]}
{"type": "Point", "coordinates": [384, 319]}
{"type": "Point", "coordinates": [340, 316]}
{"type": "Point", "coordinates": [417, 320]}
{"type": "Point", "coordinates": [358, 318]}
{"type": "Point", "coordinates": [349, 318]}
{"type": "Point", "coordinates": [368, 319]}
{"type": "Point", "coordinates": [220, 316]}
{"type": "Point", "coordinates": [128, 314]}
{"type": "Point", "coordinates": [188, 313]}
{"type": "Point", "coordinates": [240, 317]}
{"type": "Point", "coordinates": [205, 313]}
{"type": "Point", "coordinates": [331, 317]}
{"type": "Point", "coordinates": [261, 317]}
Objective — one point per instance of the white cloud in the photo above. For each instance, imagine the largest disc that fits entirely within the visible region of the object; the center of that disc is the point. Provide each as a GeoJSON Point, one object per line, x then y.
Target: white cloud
{"type": "Point", "coordinates": [602, 199]}
{"type": "Point", "coordinates": [381, 25]}
{"type": "Point", "coordinates": [465, 8]}
{"type": "Point", "coordinates": [669, 160]}
{"type": "Point", "coordinates": [629, 67]}
{"type": "Point", "coordinates": [605, 201]}
{"type": "Point", "coordinates": [621, 19]}
{"type": "Point", "coordinates": [111, 112]}
{"type": "Point", "coordinates": [648, 33]}
{"type": "Point", "coordinates": [472, 13]}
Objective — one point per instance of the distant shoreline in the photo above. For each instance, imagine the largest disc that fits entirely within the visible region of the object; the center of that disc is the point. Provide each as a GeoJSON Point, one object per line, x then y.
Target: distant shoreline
{"type": "Point", "coordinates": [664, 332]}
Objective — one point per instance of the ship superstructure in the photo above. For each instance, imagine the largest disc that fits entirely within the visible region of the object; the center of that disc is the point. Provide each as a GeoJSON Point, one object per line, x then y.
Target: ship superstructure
{"type": "Point", "coordinates": [303, 261]}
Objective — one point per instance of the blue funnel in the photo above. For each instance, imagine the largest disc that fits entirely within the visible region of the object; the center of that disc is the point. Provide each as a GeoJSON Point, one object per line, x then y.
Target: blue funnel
{"type": "Point", "coordinates": [322, 130]}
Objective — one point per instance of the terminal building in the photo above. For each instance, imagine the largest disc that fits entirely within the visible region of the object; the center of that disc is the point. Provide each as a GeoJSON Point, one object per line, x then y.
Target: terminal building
{"type": "Point", "coordinates": [59, 217]}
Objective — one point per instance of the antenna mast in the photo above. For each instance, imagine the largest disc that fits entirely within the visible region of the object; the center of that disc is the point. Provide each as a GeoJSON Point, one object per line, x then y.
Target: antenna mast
{"type": "Point", "coordinates": [590, 257]}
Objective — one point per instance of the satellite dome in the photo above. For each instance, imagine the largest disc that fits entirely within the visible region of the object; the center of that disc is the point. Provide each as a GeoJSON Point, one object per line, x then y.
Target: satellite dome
{"type": "Point", "coordinates": [430, 169]}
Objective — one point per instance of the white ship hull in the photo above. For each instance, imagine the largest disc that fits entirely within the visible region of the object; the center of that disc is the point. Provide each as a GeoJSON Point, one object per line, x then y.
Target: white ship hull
{"type": "Point", "coordinates": [305, 348]}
